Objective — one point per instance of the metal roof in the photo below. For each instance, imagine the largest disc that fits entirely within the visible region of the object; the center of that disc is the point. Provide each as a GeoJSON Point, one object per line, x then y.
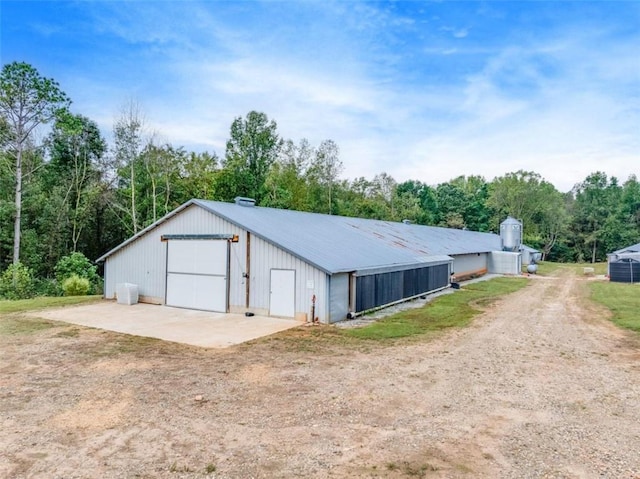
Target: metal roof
{"type": "Point", "coordinates": [338, 244]}
{"type": "Point", "coordinates": [511, 221]}
{"type": "Point", "coordinates": [629, 249]}
{"type": "Point", "coordinates": [529, 249]}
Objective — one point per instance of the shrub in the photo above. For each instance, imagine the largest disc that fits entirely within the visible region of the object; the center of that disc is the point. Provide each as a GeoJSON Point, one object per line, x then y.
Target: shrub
{"type": "Point", "coordinates": [74, 285]}
{"type": "Point", "coordinates": [16, 282]}
{"type": "Point", "coordinates": [47, 287]}
{"type": "Point", "coordinates": [78, 264]}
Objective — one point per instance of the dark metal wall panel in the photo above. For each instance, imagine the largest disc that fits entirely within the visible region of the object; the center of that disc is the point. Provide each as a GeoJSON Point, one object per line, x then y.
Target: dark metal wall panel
{"type": "Point", "coordinates": [380, 289]}
{"type": "Point", "coordinates": [365, 292]}
{"type": "Point", "coordinates": [624, 271]}
{"type": "Point", "coordinates": [439, 277]}
{"type": "Point", "coordinates": [388, 287]}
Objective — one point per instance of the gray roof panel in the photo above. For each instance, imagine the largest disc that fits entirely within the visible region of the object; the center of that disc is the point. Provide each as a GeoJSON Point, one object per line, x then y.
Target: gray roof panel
{"type": "Point", "coordinates": [629, 249]}
{"type": "Point", "coordinates": [340, 244]}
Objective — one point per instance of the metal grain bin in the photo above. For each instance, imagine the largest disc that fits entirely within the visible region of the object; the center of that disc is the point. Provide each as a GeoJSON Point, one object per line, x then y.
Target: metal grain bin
{"type": "Point", "coordinates": [511, 234]}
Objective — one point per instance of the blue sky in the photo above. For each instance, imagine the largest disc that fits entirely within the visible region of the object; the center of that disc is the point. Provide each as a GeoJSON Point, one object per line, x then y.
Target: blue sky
{"type": "Point", "coordinates": [420, 90]}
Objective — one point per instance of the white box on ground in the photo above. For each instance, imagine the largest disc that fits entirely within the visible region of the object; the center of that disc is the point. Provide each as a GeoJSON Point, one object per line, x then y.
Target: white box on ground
{"type": "Point", "coordinates": [127, 293]}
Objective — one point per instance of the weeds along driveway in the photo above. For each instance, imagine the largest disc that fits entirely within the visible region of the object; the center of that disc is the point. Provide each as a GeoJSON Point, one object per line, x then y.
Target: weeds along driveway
{"type": "Point", "coordinates": [195, 328]}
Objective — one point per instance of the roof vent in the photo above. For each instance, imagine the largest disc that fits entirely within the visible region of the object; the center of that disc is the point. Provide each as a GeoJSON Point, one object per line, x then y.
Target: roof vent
{"type": "Point", "coordinates": [240, 201]}
{"type": "Point", "coordinates": [407, 222]}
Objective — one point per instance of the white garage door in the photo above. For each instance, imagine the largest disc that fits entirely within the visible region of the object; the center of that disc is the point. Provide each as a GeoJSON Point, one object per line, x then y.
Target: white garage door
{"type": "Point", "coordinates": [197, 274]}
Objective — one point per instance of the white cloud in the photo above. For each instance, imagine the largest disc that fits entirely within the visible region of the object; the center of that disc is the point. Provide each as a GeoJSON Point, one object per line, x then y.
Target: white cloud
{"type": "Point", "coordinates": [563, 106]}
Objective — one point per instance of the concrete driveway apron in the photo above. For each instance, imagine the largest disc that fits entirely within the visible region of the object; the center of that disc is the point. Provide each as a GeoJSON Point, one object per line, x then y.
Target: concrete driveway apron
{"type": "Point", "coordinates": [196, 328]}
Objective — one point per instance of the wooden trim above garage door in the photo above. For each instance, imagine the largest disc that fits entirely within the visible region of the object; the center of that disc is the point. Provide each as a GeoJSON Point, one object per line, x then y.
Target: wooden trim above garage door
{"type": "Point", "coordinates": [198, 237]}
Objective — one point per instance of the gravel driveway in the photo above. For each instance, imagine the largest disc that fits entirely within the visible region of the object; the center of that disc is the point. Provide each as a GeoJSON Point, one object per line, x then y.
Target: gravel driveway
{"type": "Point", "coordinates": [540, 386]}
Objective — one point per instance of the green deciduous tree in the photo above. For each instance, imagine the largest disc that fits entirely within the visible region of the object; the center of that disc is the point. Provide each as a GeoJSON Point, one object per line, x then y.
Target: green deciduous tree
{"type": "Point", "coordinates": [525, 195]}
{"type": "Point", "coordinates": [159, 180]}
{"type": "Point", "coordinates": [596, 199]}
{"type": "Point", "coordinates": [462, 203]}
{"type": "Point", "coordinates": [287, 184]}
{"type": "Point", "coordinates": [128, 132]}
{"type": "Point", "coordinates": [253, 147]}
{"type": "Point", "coordinates": [323, 173]}
{"type": "Point", "coordinates": [630, 205]}
{"type": "Point", "coordinates": [76, 148]}
{"type": "Point", "coordinates": [518, 195]}
{"type": "Point", "coordinates": [27, 100]}
{"type": "Point", "coordinates": [199, 173]}
{"type": "Point", "coordinates": [426, 198]}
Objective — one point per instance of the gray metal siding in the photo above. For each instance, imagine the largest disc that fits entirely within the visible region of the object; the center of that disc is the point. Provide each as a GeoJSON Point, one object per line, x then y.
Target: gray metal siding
{"type": "Point", "coordinates": [339, 297]}
{"type": "Point", "coordinates": [309, 280]}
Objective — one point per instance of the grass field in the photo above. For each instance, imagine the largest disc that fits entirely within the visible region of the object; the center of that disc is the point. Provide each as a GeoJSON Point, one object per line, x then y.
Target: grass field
{"type": "Point", "coordinates": [622, 299]}
{"type": "Point", "coordinates": [451, 310]}
{"type": "Point", "coordinates": [43, 302]}
{"type": "Point", "coordinates": [549, 268]}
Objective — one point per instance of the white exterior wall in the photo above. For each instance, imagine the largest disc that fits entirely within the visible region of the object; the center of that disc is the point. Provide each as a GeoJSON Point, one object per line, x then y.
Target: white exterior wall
{"type": "Point", "coordinates": [470, 263]}
{"type": "Point", "coordinates": [505, 262]}
{"type": "Point", "coordinates": [143, 262]}
{"type": "Point", "coordinates": [309, 280]}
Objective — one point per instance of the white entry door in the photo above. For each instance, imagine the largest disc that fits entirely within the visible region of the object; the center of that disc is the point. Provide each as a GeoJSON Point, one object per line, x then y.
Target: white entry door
{"type": "Point", "coordinates": [197, 274]}
{"type": "Point", "coordinates": [283, 293]}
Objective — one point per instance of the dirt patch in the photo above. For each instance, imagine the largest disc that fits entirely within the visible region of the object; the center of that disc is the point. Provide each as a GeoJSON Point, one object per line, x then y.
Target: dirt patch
{"type": "Point", "coordinates": [541, 385]}
{"type": "Point", "coordinates": [101, 409]}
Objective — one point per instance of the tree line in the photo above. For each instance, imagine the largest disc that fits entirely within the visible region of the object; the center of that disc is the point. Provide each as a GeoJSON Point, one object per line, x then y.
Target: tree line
{"type": "Point", "coordinates": [70, 191]}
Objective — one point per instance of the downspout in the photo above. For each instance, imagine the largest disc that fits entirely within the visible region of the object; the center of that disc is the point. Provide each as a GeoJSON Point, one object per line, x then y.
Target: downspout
{"type": "Point", "coordinates": [247, 273]}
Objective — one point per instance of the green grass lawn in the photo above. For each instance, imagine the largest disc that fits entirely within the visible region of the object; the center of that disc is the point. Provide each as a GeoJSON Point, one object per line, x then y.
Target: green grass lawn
{"type": "Point", "coordinates": [12, 323]}
{"type": "Point", "coordinates": [549, 268]}
{"type": "Point", "coordinates": [43, 302]}
{"type": "Point", "coordinates": [598, 268]}
{"type": "Point", "coordinates": [622, 299]}
{"type": "Point", "coordinates": [447, 311]}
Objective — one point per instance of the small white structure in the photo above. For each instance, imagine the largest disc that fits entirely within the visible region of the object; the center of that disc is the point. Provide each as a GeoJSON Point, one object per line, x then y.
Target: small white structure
{"type": "Point", "coordinates": [127, 293]}
{"type": "Point", "coordinates": [505, 262]}
{"type": "Point", "coordinates": [529, 255]}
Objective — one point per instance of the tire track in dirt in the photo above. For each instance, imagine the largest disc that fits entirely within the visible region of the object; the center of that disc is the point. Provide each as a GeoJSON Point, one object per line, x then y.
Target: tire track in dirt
{"type": "Point", "coordinates": [538, 386]}
{"type": "Point", "coordinates": [530, 391]}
